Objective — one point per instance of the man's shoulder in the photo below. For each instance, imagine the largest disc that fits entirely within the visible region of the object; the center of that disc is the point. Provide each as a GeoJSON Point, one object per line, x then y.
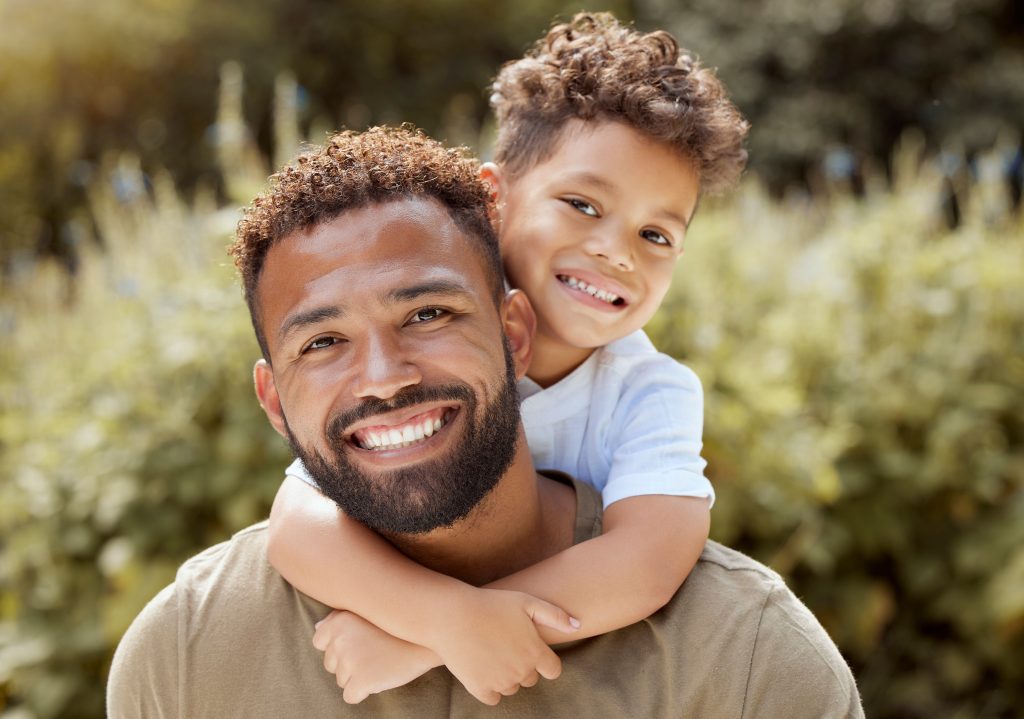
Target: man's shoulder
{"type": "Point", "coordinates": [247, 545]}
{"type": "Point", "coordinates": [721, 558]}
{"type": "Point", "coordinates": [758, 621]}
{"type": "Point", "coordinates": [212, 642]}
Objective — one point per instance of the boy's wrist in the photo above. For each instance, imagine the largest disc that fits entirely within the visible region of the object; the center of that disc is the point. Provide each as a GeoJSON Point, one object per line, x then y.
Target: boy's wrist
{"type": "Point", "coordinates": [437, 613]}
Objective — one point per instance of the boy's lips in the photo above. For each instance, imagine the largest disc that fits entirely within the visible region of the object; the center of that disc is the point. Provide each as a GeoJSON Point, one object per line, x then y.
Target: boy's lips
{"type": "Point", "coordinates": [594, 286]}
{"type": "Point", "coordinates": [397, 430]}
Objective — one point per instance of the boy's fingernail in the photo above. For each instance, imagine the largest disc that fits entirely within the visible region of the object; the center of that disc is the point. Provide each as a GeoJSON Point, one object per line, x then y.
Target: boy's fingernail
{"type": "Point", "coordinates": [317, 625]}
{"type": "Point", "coordinates": [574, 622]}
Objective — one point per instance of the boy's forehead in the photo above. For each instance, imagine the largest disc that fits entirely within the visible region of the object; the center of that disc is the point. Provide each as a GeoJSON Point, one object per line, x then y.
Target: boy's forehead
{"type": "Point", "coordinates": [577, 138]}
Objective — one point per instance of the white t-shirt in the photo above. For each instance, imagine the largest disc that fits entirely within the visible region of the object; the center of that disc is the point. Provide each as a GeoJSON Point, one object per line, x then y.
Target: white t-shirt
{"type": "Point", "coordinates": [628, 421]}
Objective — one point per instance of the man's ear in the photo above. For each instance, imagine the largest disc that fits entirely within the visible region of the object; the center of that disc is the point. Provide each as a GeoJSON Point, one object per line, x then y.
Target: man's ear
{"type": "Point", "coordinates": [491, 174]}
{"type": "Point", "coordinates": [519, 322]}
{"type": "Point", "coordinates": [266, 392]}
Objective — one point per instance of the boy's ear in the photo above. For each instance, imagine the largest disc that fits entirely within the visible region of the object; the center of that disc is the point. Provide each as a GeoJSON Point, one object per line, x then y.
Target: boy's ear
{"type": "Point", "coordinates": [266, 392]}
{"type": "Point", "coordinates": [519, 322]}
{"type": "Point", "coordinates": [495, 179]}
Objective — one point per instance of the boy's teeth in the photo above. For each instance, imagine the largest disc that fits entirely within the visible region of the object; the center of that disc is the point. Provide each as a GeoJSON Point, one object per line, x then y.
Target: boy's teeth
{"type": "Point", "coordinates": [401, 436]}
{"type": "Point", "coordinates": [577, 284]}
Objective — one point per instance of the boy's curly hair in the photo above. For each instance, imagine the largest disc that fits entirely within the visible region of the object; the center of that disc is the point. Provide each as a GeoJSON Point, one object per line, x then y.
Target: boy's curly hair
{"type": "Point", "coordinates": [594, 68]}
{"type": "Point", "coordinates": [353, 170]}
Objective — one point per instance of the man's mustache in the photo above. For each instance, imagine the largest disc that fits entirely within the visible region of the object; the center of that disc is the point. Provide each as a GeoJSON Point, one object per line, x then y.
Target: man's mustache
{"type": "Point", "coordinates": [406, 397]}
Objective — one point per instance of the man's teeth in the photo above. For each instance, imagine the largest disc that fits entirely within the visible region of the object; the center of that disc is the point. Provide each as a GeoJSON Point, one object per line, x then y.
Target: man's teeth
{"type": "Point", "coordinates": [577, 284]}
{"type": "Point", "coordinates": [401, 436]}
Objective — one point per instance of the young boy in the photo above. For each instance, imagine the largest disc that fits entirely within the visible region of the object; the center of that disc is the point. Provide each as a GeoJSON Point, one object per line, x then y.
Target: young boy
{"type": "Point", "coordinates": [607, 138]}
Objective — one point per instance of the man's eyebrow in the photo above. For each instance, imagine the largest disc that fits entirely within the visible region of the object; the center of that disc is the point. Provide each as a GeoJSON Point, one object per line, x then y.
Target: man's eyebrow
{"type": "Point", "coordinates": [433, 287]}
{"type": "Point", "coordinates": [308, 317]}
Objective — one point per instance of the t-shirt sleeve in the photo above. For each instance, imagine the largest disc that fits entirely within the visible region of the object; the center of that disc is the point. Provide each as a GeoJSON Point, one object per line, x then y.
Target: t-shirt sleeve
{"type": "Point", "coordinates": [655, 437]}
{"type": "Point", "coordinates": [144, 673]}
{"type": "Point", "coordinates": [298, 470]}
{"type": "Point", "coordinates": [796, 670]}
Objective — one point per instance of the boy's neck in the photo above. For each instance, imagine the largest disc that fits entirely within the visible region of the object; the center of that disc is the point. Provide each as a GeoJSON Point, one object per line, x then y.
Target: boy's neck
{"type": "Point", "coordinates": [554, 360]}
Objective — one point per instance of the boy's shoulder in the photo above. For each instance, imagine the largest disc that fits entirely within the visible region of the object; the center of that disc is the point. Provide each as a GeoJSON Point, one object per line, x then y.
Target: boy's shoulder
{"type": "Point", "coordinates": [637, 364]}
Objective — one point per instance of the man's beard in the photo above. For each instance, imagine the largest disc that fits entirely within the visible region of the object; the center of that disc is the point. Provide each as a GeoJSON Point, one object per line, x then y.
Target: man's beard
{"type": "Point", "coordinates": [431, 494]}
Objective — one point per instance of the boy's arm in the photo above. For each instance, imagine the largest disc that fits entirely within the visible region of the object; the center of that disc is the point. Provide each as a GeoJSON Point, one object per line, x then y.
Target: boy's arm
{"type": "Point", "coordinates": [487, 638]}
{"type": "Point", "coordinates": [648, 547]}
{"type": "Point", "coordinates": [658, 502]}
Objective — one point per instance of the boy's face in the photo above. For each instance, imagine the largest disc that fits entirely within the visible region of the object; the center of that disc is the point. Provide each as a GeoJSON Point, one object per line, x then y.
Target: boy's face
{"type": "Point", "coordinates": [593, 232]}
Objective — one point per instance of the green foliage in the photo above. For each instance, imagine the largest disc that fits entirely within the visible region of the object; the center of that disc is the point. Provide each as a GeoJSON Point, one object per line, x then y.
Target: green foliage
{"type": "Point", "coordinates": [865, 424]}
{"type": "Point", "coordinates": [854, 74]}
{"type": "Point", "coordinates": [129, 434]}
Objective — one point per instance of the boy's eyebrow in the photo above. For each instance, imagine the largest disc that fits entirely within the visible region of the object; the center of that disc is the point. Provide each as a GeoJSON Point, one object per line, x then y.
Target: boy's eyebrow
{"type": "Point", "coordinates": [676, 217]}
{"type": "Point", "coordinates": [589, 178]}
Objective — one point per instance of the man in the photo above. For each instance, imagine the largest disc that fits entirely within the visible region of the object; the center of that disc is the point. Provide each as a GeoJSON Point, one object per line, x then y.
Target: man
{"type": "Point", "coordinates": [375, 289]}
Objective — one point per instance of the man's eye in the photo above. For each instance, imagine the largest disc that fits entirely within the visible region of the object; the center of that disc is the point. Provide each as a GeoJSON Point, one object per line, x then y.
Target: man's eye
{"type": "Point", "coordinates": [583, 206]}
{"type": "Point", "coordinates": [321, 343]}
{"type": "Point", "coordinates": [655, 237]}
{"type": "Point", "coordinates": [427, 314]}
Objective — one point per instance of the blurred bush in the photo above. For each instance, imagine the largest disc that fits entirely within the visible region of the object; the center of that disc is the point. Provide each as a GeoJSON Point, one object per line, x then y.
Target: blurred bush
{"type": "Point", "coordinates": [830, 86]}
{"type": "Point", "coordinates": [864, 373]}
{"type": "Point", "coordinates": [865, 420]}
{"type": "Point", "coordinates": [128, 433]}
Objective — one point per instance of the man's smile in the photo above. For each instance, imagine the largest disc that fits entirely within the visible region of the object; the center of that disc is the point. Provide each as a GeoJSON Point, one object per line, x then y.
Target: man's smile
{"type": "Point", "coordinates": [397, 433]}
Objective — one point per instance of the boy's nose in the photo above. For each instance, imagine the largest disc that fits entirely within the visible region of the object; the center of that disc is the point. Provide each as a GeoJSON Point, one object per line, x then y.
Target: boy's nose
{"type": "Point", "coordinates": [383, 369]}
{"type": "Point", "coordinates": [614, 247]}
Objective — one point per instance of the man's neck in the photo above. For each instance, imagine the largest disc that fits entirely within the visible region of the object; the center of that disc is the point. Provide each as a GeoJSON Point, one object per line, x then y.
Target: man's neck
{"type": "Point", "coordinates": [523, 520]}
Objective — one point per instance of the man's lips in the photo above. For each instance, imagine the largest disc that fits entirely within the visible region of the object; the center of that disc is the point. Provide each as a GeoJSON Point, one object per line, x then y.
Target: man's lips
{"type": "Point", "coordinates": [395, 432]}
{"type": "Point", "coordinates": [594, 285]}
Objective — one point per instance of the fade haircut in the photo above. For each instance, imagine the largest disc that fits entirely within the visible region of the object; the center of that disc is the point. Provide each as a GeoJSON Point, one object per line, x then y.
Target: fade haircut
{"type": "Point", "coordinates": [353, 170]}
{"type": "Point", "coordinates": [593, 68]}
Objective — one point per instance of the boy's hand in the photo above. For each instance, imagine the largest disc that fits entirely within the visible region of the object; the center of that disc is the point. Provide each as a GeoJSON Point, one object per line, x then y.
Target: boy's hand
{"type": "Point", "coordinates": [491, 643]}
{"type": "Point", "coordinates": [365, 659]}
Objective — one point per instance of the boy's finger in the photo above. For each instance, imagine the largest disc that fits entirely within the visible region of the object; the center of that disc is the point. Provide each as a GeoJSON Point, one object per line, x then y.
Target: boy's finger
{"type": "Point", "coordinates": [488, 697]}
{"type": "Point", "coordinates": [352, 695]}
{"type": "Point", "coordinates": [550, 666]}
{"type": "Point", "coordinates": [321, 640]}
{"type": "Point", "coordinates": [548, 615]}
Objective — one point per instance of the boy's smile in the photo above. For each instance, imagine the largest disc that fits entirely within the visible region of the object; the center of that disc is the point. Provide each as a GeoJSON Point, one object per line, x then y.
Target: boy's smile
{"type": "Point", "coordinates": [592, 234]}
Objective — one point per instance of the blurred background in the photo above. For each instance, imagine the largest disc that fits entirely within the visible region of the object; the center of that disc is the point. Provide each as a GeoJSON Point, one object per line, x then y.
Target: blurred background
{"type": "Point", "coordinates": [855, 310]}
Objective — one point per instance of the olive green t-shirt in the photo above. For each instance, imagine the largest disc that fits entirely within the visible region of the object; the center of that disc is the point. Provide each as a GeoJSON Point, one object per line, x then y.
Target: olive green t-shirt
{"type": "Point", "coordinates": [231, 638]}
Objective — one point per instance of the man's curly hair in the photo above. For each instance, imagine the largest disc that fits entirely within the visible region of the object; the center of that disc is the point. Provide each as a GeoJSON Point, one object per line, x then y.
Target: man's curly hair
{"type": "Point", "coordinates": [353, 170]}
{"type": "Point", "coordinates": [593, 68]}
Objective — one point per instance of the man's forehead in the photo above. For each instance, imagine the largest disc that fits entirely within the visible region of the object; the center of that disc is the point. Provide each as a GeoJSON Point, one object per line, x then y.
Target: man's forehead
{"type": "Point", "coordinates": [367, 253]}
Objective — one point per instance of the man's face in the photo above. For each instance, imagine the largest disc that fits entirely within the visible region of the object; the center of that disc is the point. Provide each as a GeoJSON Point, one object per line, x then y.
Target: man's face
{"type": "Point", "coordinates": [391, 377]}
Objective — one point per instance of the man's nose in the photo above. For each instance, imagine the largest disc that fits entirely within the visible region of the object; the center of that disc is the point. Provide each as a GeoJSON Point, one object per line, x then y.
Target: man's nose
{"type": "Point", "coordinates": [614, 245]}
{"type": "Point", "coordinates": [384, 368]}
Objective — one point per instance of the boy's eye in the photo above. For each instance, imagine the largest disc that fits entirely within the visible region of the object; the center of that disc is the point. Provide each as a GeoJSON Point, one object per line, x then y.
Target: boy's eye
{"type": "Point", "coordinates": [656, 237]}
{"type": "Point", "coordinates": [583, 206]}
{"type": "Point", "coordinates": [426, 315]}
